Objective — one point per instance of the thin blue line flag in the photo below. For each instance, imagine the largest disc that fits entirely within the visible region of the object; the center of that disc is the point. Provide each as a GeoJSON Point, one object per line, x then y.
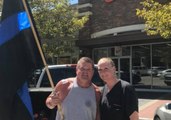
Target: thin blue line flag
{"type": "Point", "coordinates": [19, 57]}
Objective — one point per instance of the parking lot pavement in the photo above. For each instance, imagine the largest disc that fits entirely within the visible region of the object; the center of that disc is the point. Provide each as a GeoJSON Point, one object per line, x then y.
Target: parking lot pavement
{"type": "Point", "coordinates": [148, 106]}
{"type": "Point", "coordinates": [147, 110]}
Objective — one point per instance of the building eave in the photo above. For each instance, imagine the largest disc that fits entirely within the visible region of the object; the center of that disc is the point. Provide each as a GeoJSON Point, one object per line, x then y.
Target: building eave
{"type": "Point", "coordinates": [137, 38]}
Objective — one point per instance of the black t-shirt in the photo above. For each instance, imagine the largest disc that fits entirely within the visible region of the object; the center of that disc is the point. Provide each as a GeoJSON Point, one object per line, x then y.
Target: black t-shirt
{"type": "Point", "coordinates": [119, 103]}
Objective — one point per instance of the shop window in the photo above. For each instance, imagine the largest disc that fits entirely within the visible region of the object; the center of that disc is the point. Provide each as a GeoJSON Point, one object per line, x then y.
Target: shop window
{"type": "Point", "coordinates": [141, 56]}
{"type": "Point", "coordinates": [150, 61]}
{"type": "Point", "coordinates": [99, 53]}
{"type": "Point", "coordinates": [125, 51]}
{"type": "Point", "coordinates": [161, 55]}
{"type": "Point", "coordinates": [141, 60]}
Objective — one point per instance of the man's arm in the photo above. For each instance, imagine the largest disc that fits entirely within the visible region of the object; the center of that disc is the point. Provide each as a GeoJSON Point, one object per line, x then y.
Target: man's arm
{"type": "Point", "coordinates": [59, 93]}
{"type": "Point", "coordinates": [53, 99]}
{"type": "Point", "coordinates": [98, 96]}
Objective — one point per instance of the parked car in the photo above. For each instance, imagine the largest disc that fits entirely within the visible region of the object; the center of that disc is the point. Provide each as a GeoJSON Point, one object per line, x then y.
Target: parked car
{"type": "Point", "coordinates": [140, 69]}
{"type": "Point", "coordinates": [124, 75]}
{"type": "Point", "coordinates": [163, 112]}
{"type": "Point", "coordinates": [155, 70]}
{"type": "Point", "coordinates": [166, 76]}
{"type": "Point", "coordinates": [164, 72]}
{"type": "Point", "coordinates": [136, 77]}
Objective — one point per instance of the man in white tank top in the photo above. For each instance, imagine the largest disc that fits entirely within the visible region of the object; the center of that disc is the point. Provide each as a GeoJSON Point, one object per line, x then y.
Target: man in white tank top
{"type": "Point", "coordinates": [79, 97]}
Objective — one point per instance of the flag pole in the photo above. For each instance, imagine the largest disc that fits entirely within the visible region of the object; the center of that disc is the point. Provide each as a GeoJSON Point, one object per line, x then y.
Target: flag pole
{"type": "Point", "coordinates": [42, 55]}
{"type": "Point", "coordinates": [38, 44]}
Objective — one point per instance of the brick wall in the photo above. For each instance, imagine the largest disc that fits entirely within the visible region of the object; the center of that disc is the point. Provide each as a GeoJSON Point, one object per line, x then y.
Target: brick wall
{"type": "Point", "coordinates": [110, 15]}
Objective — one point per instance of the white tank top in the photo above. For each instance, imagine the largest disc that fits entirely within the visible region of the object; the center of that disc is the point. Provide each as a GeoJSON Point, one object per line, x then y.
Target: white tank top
{"type": "Point", "coordinates": [79, 104]}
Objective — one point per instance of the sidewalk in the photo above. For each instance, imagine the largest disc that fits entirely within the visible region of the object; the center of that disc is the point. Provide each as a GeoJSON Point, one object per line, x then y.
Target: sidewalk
{"type": "Point", "coordinates": [147, 106]}
{"type": "Point", "coordinates": [146, 111]}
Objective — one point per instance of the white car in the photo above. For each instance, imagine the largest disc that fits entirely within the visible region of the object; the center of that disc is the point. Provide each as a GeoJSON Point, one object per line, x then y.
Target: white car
{"type": "Point", "coordinates": [155, 70]}
{"type": "Point", "coordinates": [164, 72]}
{"type": "Point", "coordinates": [163, 112]}
{"type": "Point", "coordinates": [166, 76]}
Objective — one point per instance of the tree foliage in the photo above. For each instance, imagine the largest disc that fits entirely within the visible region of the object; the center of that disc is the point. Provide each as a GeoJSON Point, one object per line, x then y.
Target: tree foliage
{"type": "Point", "coordinates": [1, 2]}
{"type": "Point", "coordinates": [58, 23]}
{"type": "Point", "coordinates": [157, 17]}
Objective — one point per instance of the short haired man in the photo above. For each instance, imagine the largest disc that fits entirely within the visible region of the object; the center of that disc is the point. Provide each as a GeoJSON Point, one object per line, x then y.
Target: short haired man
{"type": "Point", "coordinates": [119, 101]}
{"type": "Point", "coordinates": [78, 96]}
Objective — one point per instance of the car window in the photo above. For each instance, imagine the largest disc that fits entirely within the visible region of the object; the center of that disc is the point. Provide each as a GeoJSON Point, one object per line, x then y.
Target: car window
{"type": "Point", "coordinates": [58, 74]}
{"type": "Point", "coordinates": [34, 78]}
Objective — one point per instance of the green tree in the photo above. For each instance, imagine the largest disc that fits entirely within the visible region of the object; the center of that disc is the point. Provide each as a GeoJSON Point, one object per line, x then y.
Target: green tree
{"type": "Point", "coordinates": [58, 24]}
{"type": "Point", "coordinates": [157, 17]}
{"type": "Point", "coordinates": [1, 2]}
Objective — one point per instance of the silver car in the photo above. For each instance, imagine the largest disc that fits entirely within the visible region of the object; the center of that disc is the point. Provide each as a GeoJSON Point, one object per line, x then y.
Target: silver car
{"type": "Point", "coordinates": [166, 76]}
{"type": "Point", "coordinates": [163, 112]}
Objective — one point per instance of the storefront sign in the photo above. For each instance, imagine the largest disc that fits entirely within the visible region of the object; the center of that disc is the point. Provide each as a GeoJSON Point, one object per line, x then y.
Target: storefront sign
{"type": "Point", "coordinates": [108, 1]}
{"type": "Point", "coordinates": [118, 51]}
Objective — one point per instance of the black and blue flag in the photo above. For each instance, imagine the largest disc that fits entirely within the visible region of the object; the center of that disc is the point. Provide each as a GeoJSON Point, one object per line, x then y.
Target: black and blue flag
{"type": "Point", "coordinates": [19, 57]}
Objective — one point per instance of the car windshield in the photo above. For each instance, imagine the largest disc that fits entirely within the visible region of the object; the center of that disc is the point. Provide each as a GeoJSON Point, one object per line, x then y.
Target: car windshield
{"type": "Point", "coordinates": [62, 73]}
{"type": "Point", "coordinates": [58, 74]}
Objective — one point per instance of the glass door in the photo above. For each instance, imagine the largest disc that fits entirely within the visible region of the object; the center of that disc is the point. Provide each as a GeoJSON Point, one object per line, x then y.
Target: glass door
{"type": "Point", "coordinates": [123, 68]}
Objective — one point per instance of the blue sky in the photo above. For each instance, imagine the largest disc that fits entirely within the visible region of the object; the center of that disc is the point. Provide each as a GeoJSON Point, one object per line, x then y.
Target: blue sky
{"type": "Point", "coordinates": [74, 1]}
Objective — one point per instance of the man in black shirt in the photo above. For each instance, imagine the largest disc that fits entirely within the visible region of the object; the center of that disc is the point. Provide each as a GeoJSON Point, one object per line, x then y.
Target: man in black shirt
{"type": "Point", "coordinates": [119, 100]}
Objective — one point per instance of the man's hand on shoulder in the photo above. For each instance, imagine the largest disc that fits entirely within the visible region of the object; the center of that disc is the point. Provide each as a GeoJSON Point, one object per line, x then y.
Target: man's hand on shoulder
{"type": "Point", "coordinates": [98, 92]}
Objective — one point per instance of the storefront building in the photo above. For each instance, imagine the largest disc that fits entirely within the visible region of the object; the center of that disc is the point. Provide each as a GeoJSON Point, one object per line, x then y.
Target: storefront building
{"type": "Point", "coordinates": [115, 31]}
